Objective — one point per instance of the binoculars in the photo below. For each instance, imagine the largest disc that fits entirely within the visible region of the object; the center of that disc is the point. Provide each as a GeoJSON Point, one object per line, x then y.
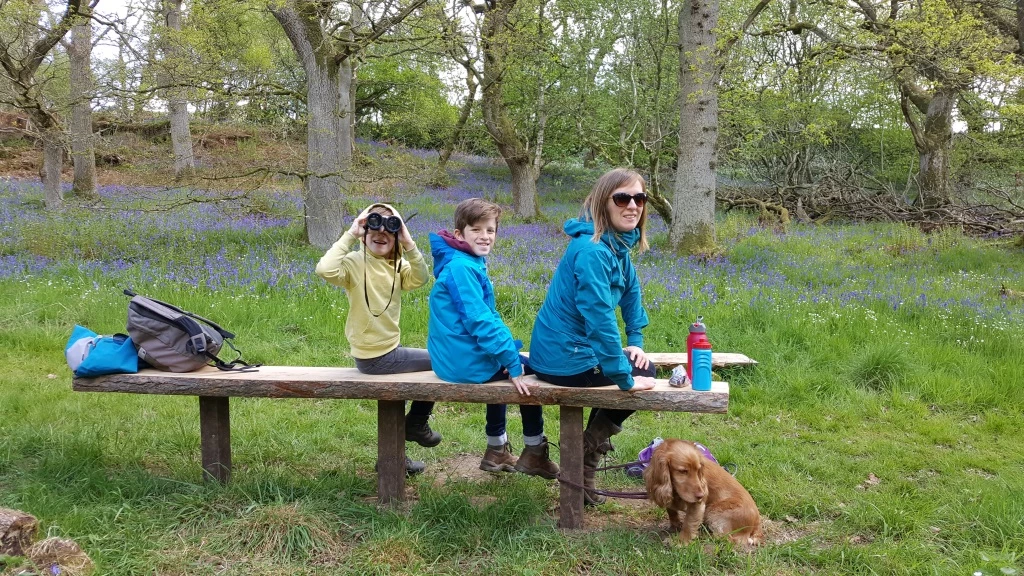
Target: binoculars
{"type": "Point", "coordinates": [391, 224]}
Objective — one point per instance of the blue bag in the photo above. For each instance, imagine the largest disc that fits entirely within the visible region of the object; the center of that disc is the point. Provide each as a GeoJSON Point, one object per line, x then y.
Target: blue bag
{"type": "Point", "coordinates": [89, 354]}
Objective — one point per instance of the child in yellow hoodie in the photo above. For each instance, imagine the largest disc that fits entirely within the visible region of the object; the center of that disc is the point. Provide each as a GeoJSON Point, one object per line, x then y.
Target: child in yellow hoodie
{"type": "Point", "coordinates": [374, 266]}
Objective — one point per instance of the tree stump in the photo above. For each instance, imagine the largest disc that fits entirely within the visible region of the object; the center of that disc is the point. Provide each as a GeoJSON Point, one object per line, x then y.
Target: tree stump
{"type": "Point", "coordinates": [60, 556]}
{"type": "Point", "coordinates": [17, 531]}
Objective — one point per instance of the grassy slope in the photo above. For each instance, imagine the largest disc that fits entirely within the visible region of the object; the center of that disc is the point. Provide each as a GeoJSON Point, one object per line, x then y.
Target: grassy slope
{"type": "Point", "coordinates": [875, 440]}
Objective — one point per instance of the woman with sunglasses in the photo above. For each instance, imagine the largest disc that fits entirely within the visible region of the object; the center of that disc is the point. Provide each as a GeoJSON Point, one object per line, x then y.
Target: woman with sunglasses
{"type": "Point", "coordinates": [576, 338]}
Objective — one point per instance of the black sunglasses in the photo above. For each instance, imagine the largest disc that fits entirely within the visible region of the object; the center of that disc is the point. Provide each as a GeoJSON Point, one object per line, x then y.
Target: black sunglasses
{"type": "Point", "coordinates": [622, 199]}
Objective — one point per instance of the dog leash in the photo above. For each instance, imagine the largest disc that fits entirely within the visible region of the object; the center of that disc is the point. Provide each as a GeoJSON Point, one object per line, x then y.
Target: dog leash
{"type": "Point", "coordinates": [609, 493]}
{"type": "Point", "coordinates": [627, 495]}
{"type": "Point", "coordinates": [617, 466]}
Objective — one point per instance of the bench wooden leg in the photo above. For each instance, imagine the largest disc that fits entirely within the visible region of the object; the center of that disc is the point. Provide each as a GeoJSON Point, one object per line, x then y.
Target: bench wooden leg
{"type": "Point", "coordinates": [390, 451]}
{"type": "Point", "coordinates": [570, 499]}
{"type": "Point", "coordinates": [215, 438]}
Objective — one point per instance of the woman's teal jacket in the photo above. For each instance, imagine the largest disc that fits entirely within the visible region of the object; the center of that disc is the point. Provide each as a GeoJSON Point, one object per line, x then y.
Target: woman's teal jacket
{"type": "Point", "coordinates": [576, 329]}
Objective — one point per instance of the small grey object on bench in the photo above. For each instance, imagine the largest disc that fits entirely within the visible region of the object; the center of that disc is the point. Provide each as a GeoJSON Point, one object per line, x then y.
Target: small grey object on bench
{"type": "Point", "coordinates": [214, 387]}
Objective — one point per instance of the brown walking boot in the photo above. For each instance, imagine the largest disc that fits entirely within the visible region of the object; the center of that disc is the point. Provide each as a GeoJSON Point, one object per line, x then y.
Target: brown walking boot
{"type": "Point", "coordinates": [417, 429]}
{"type": "Point", "coordinates": [499, 459]}
{"type": "Point", "coordinates": [534, 461]}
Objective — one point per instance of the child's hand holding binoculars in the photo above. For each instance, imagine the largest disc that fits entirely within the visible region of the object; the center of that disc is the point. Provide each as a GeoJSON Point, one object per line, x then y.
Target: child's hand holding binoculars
{"type": "Point", "coordinates": [373, 221]}
{"type": "Point", "coordinates": [405, 238]}
{"type": "Point", "coordinates": [358, 228]}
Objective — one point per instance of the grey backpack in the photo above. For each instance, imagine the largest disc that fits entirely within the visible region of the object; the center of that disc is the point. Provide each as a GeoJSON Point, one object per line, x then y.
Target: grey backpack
{"type": "Point", "coordinates": [169, 338]}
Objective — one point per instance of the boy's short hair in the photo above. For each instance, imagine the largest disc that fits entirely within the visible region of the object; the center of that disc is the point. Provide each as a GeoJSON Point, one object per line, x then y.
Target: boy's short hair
{"type": "Point", "coordinates": [473, 210]}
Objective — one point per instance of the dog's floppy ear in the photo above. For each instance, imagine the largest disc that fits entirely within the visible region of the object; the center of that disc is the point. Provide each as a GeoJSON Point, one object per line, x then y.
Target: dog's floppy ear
{"type": "Point", "coordinates": [658, 477]}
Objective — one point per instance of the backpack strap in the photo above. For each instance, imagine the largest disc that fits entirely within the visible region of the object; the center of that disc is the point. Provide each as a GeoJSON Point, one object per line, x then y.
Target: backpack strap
{"type": "Point", "coordinates": [196, 336]}
{"type": "Point", "coordinates": [236, 365]}
{"type": "Point", "coordinates": [162, 311]}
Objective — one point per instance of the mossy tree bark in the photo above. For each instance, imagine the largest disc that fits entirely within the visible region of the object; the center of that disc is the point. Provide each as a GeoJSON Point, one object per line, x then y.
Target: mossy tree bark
{"type": "Point", "coordinates": [524, 161]}
{"type": "Point", "coordinates": [932, 138]}
{"type": "Point", "coordinates": [83, 152]}
{"type": "Point", "coordinates": [177, 104]}
{"type": "Point", "coordinates": [701, 61]}
{"type": "Point", "coordinates": [327, 47]}
{"type": "Point", "coordinates": [693, 203]}
{"type": "Point", "coordinates": [20, 62]}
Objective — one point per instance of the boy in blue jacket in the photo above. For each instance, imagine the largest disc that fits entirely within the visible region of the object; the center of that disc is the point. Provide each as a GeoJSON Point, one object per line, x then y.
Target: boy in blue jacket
{"type": "Point", "coordinates": [468, 342]}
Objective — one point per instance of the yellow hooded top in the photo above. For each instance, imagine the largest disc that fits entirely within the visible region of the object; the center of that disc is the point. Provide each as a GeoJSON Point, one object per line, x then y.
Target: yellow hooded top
{"type": "Point", "coordinates": [342, 265]}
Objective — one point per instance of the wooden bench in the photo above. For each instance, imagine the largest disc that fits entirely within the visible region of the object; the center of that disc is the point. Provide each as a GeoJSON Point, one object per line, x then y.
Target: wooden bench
{"type": "Point", "coordinates": [214, 388]}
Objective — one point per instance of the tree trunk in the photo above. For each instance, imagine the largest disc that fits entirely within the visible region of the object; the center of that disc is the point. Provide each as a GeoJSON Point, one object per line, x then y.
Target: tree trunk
{"type": "Point", "coordinates": [329, 152]}
{"type": "Point", "coordinates": [693, 203]}
{"type": "Point", "coordinates": [27, 93]}
{"type": "Point", "coordinates": [53, 160]}
{"type": "Point", "coordinates": [82, 150]}
{"type": "Point", "coordinates": [524, 180]}
{"type": "Point", "coordinates": [177, 106]}
{"type": "Point", "coordinates": [496, 35]}
{"type": "Point", "coordinates": [1020, 27]}
{"type": "Point", "coordinates": [932, 140]}
{"type": "Point", "coordinates": [17, 531]}
{"type": "Point", "coordinates": [348, 67]}
{"type": "Point", "coordinates": [467, 109]}
{"type": "Point", "coordinates": [655, 191]}
{"type": "Point", "coordinates": [329, 129]}
{"type": "Point", "coordinates": [327, 51]}
{"type": "Point", "coordinates": [938, 134]}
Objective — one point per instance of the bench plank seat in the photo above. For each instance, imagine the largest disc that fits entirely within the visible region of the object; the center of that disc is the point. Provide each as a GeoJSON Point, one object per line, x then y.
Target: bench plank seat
{"type": "Point", "coordinates": [718, 359]}
{"type": "Point", "coordinates": [349, 383]}
{"type": "Point", "coordinates": [215, 387]}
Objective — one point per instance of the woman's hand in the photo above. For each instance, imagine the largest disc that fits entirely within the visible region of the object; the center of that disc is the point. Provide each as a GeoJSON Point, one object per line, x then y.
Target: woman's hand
{"type": "Point", "coordinates": [521, 386]}
{"type": "Point", "coordinates": [637, 357]}
{"type": "Point", "coordinates": [642, 383]}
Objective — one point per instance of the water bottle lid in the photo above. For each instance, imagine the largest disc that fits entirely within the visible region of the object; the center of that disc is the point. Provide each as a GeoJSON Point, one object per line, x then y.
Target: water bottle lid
{"type": "Point", "coordinates": [698, 326]}
{"type": "Point", "coordinates": [702, 344]}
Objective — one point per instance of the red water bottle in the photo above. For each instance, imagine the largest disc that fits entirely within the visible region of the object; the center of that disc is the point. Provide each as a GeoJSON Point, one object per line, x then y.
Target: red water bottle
{"type": "Point", "coordinates": [698, 333]}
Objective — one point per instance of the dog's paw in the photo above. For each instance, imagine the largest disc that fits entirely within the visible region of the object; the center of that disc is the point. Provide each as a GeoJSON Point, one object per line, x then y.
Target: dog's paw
{"type": "Point", "coordinates": [674, 541]}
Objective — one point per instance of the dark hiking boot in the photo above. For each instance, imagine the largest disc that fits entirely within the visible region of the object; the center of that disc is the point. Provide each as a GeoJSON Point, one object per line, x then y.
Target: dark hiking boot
{"type": "Point", "coordinates": [417, 429]}
{"type": "Point", "coordinates": [596, 443]}
{"type": "Point", "coordinates": [412, 467]}
{"type": "Point", "coordinates": [534, 461]}
{"type": "Point", "coordinates": [499, 459]}
{"type": "Point", "coordinates": [591, 461]}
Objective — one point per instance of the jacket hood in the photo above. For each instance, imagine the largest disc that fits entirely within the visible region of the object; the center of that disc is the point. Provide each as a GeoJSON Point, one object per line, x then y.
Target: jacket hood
{"type": "Point", "coordinates": [444, 247]}
{"type": "Point", "coordinates": [619, 242]}
{"type": "Point", "coordinates": [384, 205]}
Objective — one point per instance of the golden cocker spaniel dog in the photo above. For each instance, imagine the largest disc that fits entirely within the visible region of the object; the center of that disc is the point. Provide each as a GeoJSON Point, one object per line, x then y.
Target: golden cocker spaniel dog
{"type": "Point", "coordinates": [682, 481]}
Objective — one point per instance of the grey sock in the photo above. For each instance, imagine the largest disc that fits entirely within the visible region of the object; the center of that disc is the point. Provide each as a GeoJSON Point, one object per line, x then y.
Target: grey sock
{"type": "Point", "coordinates": [533, 440]}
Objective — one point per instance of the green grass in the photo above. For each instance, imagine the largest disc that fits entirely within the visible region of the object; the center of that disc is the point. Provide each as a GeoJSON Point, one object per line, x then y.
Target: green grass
{"type": "Point", "coordinates": [874, 440]}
